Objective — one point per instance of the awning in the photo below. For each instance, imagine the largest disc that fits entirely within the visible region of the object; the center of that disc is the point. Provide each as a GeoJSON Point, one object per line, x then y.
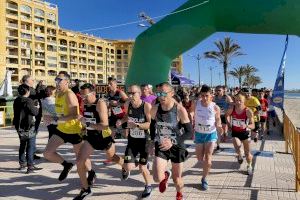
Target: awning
{"type": "Point", "coordinates": [178, 79]}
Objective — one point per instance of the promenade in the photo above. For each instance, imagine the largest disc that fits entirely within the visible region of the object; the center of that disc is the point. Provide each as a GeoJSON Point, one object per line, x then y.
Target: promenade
{"type": "Point", "coordinates": [273, 176]}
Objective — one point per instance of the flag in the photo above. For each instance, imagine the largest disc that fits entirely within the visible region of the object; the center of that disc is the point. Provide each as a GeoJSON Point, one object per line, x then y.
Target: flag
{"type": "Point", "coordinates": [278, 92]}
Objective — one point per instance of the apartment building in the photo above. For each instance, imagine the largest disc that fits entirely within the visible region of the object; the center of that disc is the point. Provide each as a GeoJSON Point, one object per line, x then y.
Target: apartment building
{"type": "Point", "coordinates": [36, 45]}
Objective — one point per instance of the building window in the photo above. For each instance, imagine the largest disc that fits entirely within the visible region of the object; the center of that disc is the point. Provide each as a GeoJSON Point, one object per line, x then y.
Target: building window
{"type": "Point", "coordinates": [39, 12]}
{"type": "Point", "coordinates": [112, 51]}
{"type": "Point", "coordinates": [25, 8]}
{"type": "Point", "coordinates": [119, 51]}
{"type": "Point", "coordinates": [125, 51]}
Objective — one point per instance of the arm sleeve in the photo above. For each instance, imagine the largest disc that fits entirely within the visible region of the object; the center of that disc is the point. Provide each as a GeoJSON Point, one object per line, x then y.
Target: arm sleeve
{"type": "Point", "coordinates": [152, 129]}
{"type": "Point", "coordinates": [188, 132]}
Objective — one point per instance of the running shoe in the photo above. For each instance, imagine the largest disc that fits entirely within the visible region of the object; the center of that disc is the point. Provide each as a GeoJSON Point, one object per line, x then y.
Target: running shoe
{"type": "Point", "coordinates": [218, 149]}
{"type": "Point", "coordinates": [22, 168]}
{"type": "Point", "coordinates": [32, 169]}
{"type": "Point", "coordinates": [163, 185]}
{"type": "Point", "coordinates": [125, 174]}
{"type": "Point", "coordinates": [240, 159]}
{"type": "Point", "coordinates": [179, 196]}
{"type": "Point", "coordinates": [83, 194]}
{"type": "Point", "coordinates": [91, 177]}
{"type": "Point", "coordinates": [249, 170]}
{"type": "Point", "coordinates": [64, 173]}
{"type": "Point", "coordinates": [147, 191]}
{"type": "Point", "coordinates": [204, 184]}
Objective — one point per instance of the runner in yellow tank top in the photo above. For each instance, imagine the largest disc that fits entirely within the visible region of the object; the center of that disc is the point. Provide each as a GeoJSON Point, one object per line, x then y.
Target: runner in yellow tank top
{"type": "Point", "coordinates": [68, 128]}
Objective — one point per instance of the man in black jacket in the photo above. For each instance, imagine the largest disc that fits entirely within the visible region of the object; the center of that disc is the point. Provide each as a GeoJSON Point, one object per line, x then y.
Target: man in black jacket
{"type": "Point", "coordinates": [24, 112]}
{"type": "Point", "coordinates": [27, 80]}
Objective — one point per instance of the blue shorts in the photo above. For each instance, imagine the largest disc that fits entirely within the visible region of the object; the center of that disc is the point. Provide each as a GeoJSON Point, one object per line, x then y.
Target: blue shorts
{"type": "Point", "coordinates": [201, 138]}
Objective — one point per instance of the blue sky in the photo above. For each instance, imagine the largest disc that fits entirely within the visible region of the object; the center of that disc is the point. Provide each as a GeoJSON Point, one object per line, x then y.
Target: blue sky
{"type": "Point", "coordinates": [262, 51]}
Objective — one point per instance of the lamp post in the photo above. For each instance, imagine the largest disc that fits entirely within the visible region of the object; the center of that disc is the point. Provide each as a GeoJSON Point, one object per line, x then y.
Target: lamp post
{"type": "Point", "coordinates": [197, 57]}
{"type": "Point", "coordinates": [211, 68]}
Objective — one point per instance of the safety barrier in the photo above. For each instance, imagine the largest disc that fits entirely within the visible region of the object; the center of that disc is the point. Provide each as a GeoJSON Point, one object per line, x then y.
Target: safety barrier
{"type": "Point", "coordinates": [6, 116]}
{"type": "Point", "coordinates": [292, 142]}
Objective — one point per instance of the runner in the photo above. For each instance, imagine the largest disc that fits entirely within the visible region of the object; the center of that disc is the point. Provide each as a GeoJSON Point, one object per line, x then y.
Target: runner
{"type": "Point", "coordinates": [263, 114]}
{"type": "Point", "coordinates": [254, 105]}
{"type": "Point", "coordinates": [146, 94]}
{"type": "Point", "coordinates": [68, 129]}
{"type": "Point", "coordinates": [271, 110]}
{"type": "Point", "coordinates": [95, 119]}
{"type": "Point", "coordinates": [240, 120]}
{"type": "Point", "coordinates": [168, 119]}
{"type": "Point", "coordinates": [223, 101]}
{"type": "Point", "coordinates": [207, 123]}
{"type": "Point", "coordinates": [137, 118]}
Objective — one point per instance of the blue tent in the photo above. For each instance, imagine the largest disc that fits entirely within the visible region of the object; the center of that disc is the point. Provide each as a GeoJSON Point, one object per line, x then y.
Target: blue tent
{"type": "Point", "coordinates": [178, 79]}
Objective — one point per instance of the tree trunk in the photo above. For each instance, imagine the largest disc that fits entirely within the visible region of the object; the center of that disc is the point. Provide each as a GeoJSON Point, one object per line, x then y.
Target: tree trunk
{"type": "Point", "coordinates": [225, 65]}
{"type": "Point", "coordinates": [240, 82]}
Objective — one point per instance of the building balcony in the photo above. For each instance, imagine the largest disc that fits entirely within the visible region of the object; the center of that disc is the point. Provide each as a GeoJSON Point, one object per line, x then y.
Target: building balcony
{"type": "Point", "coordinates": [12, 44]}
{"type": "Point", "coordinates": [12, 25]}
{"type": "Point", "coordinates": [25, 18]}
{"type": "Point", "coordinates": [12, 13]}
{"type": "Point", "coordinates": [12, 6]}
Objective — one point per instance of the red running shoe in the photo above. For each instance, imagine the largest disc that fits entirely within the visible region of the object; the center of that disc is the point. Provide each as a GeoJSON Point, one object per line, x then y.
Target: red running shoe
{"type": "Point", "coordinates": [163, 185]}
{"type": "Point", "coordinates": [179, 196]}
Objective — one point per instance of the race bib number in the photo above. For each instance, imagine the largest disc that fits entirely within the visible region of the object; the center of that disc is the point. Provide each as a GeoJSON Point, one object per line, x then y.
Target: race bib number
{"type": "Point", "coordinates": [137, 133]}
{"type": "Point", "coordinates": [203, 128]}
{"type": "Point", "coordinates": [263, 113]}
{"type": "Point", "coordinates": [106, 133]}
{"type": "Point", "coordinates": [238, 123]}
{"type": "Point", "coordinates": [117, 110]}
{"type": "Point", "coordinates": [90, 121]}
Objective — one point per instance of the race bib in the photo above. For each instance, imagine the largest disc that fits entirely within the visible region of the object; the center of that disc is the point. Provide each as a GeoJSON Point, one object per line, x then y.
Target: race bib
{"type": "Point", "coordinates": [263, 113]}
{"type": "Point", "coordinates": [238, 123]}
{"type": "Point", "coordinates": [117, 110]}
{"type": "Point", "coordinates": [90, 121]}
{"type": "Point", "coordinates": [137, 133]}
{"type": "Point", "coordinates": [106, 132]}
{"type": "Point", "coordinates": [203, 128]}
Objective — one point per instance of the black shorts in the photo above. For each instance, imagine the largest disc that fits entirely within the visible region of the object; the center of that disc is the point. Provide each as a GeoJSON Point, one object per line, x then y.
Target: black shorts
{"type": "Point", "coordinates": [176, 154]}
{"type": "Point", "coordinates": [256, 127]}
{"type": "Point", "coordinates": [71, 138]}
{"type": "Point", "coordinates": [97, 141]}
{"type": "Point", "coordinates": [223, 119]}
{"type": "Point", "coordinates": [241, 135]}
{"type": "Point", "coordinates": [138, 146]}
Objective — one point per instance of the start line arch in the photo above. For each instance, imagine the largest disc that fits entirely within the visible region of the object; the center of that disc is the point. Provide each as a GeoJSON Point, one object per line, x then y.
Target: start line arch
{"type": "Point", "coordinates": [156, 47]}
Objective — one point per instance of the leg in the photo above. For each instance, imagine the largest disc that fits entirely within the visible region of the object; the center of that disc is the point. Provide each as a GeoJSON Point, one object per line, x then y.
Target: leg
{"type": "Point", "coordinates": [237, 146]}
{"type": "Point", "coordinates": [111, 155]}
{"type": "Point", "coordinates": [22, 148]}
{"type": "Point", "coordinates": [50, 150]}
{"type": "Point", "coordinates": [200, 152]}
{"type": "Point", "coordinates": [246, 144]}
{"type": "Point", "coordinates": [30, 151]}
{"type": "Point", "coordinates": [88, 163]}
{"type": "Point", "coordinates": [145, 172]}
{"type": "Point", "coordinates": [208, 151]}
{"type": "Point", "coordinates": [177, 169]}
{"type": "Point", "coordinates": [85, 151]}
{"type": "Point", "coordinates": [159, 168]}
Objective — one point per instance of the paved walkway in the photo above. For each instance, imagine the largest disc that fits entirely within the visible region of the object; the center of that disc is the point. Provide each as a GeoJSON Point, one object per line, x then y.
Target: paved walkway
{"type": "Point", "coordinates": [273, 176]}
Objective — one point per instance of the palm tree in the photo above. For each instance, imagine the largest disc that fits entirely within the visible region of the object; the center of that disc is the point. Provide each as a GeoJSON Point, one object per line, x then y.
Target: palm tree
{"type": "Point", "coordinates": [254, 81]}
{"type": "Point", "coordinates": [238, 73]}
{"type": "Point", "coordinates": [249, 70]}
{"type": "Point", "coordinates": [227, 49]}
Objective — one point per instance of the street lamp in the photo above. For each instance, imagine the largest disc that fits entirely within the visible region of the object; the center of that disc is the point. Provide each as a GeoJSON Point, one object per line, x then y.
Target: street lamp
{"type": "Point", "coordinates": [197, 57]}
{"type": "Point", "coordinates": [211, 68]}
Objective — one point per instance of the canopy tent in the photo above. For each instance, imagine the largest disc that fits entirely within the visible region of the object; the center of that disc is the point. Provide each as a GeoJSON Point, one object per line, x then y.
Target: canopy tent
{"type": "Point", "coordinates": [178, 79]}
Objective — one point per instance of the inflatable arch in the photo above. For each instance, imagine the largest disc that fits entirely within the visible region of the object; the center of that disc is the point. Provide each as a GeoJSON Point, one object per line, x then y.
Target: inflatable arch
{"type": "Point", "coordinates": [156, 47]}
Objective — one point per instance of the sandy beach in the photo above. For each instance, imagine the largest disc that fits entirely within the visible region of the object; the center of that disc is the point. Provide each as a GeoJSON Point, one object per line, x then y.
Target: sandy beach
{"type": "Point", "coordinates": [292, 109]}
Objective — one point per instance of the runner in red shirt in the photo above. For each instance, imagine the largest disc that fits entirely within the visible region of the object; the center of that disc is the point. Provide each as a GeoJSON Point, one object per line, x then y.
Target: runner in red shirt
{"type": "Point", "coordinates": [263, 114]}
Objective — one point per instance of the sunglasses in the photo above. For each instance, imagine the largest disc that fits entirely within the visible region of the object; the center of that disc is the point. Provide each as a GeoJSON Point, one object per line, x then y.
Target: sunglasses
{"type": "Point", "coordinates": [161, 94]}
{"type": "Point", "coordinates": [57, 80]}
{"type": "Point", "coordinates": [131, 93]}
{"type": "Point", "coordinates": [86, 96]}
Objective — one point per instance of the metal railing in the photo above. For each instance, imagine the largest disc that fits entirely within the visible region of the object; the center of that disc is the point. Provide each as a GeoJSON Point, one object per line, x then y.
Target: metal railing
{"type": "Point", "coordinates": [6, 116]}
{"type": "Point", "coordinates": [292, 142]}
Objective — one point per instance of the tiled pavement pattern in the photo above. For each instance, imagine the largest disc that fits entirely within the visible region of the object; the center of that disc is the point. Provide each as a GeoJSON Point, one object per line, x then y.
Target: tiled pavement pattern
{"type": "Point", "coordinates": [273, 176]}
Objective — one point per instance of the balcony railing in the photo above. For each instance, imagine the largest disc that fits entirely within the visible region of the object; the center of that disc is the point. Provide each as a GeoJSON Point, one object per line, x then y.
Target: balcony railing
{"type": "Point", "coordinates": [12, 25]}
{"type": "Point", "coordinates": [12, 6]}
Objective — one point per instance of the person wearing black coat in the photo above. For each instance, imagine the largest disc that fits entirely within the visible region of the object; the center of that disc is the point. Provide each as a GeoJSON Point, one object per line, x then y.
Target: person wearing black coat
{"type": "Point", "coordinates": [24, 114]}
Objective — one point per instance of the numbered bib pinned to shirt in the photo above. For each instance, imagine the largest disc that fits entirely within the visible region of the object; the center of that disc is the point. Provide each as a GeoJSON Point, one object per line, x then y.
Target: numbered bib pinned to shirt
{"type": "Point", "coordinates": [203, 128]}
{"type": "Point", "coordinates": [263, 113]}
{"type": "Point", "coordinates": [90, 121]}
{"type": "Point", "coordinates": [117, 110]}
{"type": "Point", "coordinates": [238, 123]}
{"type": "Point", "coordinates": [137, 133]}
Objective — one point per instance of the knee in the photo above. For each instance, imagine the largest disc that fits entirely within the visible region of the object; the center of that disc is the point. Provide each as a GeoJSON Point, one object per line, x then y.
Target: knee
{"type": "Point", "coordinates": [177, 180]}
{"type": "Point", "coordinates": [207, 160]}
{"type": "Point", "coordinates": [200, 158]}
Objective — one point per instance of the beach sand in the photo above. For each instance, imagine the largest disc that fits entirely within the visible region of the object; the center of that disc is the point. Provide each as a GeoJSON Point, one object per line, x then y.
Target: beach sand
{"type": "Point", "coordinates": [292, 109]}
